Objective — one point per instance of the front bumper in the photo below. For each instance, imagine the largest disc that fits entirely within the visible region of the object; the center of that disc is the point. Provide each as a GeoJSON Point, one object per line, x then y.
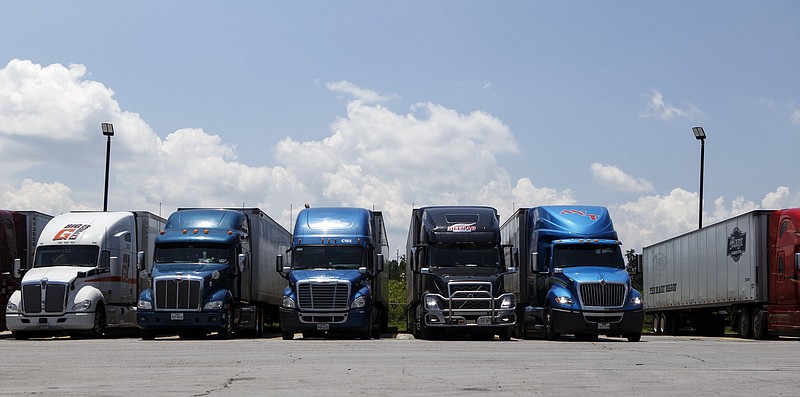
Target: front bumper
{"type": "Point", "coordinates": [80, 321]}
{"type": "Point", "coordinates": [601, 323]}
{"type": "Point", "coordinates": [164, 321]}
{"type": "Point", "coordinates": [351, 321]}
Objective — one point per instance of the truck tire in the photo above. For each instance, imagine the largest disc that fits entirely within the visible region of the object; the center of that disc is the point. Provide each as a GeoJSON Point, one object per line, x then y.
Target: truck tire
{"type": "Point", "coordinates": [633, 337]}
{"type": "Point", "coordinates": [759, 324]}
{"type": "Point", "coordinates": [227, 332]}
{"type": "Point", "coordinates": [549, 328]}
{"type": "Point", "coordinates": [657, 324]}
{"type": "Point", "coordinates": [504, 333]}
{"type": "Point", "coordinates": [287, 335]}
{"type": "Point", "coordinates": [745, 326]}
{"type": "Point", "coordinates": [147, 334]}
{"type": "Point", "coordinates": [20, 335]}
{"type": "Point", "coordinates": [258, 330]}
{"type": "Point", "coordinates": [586, 337]}
{"type": "Point", "coordinates": [99, 325]}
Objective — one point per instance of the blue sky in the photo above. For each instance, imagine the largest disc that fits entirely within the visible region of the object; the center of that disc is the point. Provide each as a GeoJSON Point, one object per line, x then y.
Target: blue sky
{"type": "Point", "coordinates": [394, 104]}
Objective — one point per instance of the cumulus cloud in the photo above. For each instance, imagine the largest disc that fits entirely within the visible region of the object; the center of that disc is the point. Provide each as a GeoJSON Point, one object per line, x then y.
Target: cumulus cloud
{"type": "Point", "coordinates": [614, 178]}
{"type": "Point", "coordinates": [658, 108]}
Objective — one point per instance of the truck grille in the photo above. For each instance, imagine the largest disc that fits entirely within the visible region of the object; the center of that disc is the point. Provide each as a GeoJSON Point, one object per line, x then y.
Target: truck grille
{"type": "Point", "coordinates": [470, 296]}
{"type": "Point", "coordinates": [602, 294]}
{"type": "Point", "coordinates": [178, 294]}
{"type": "Point", "coordinates": [55, 296]}
{"type": "Point", "coordinates": [323, 296]}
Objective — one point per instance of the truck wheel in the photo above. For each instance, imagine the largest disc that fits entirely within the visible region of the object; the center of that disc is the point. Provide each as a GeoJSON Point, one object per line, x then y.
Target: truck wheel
{"type": "Point", "coordinates": [585, 337]}
{"type": "Point", "coordinates": [745, 325]}
{"type": "Point", "coordinates": [549, 328]}
{"type": "Point", "coordinates": [99, 326]}
{"type": "Point", "coordinates": [287, 335]}
{"type": "Point", "coordinates": [759, 325]}
{"type": "Point", "coordinates": [634, 337]}
{"type": "Point", "coordinates": [504, 333]}
{"type": "Point", "coordinates": [259, 326]}
{"type": "Point", "coordinates": [147, 334]}
{"type": "Point", "coordinates": [227, 332]}
{"type": "Point", "coordinates": [20, 335]}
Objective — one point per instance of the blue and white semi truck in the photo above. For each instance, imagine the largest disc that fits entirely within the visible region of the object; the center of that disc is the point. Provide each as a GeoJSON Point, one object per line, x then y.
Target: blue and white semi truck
{"type": "Point", "coordinates": [335, 272]}
{"type": "Point", "coordinates": [455, 267]}
{"type": "Point", "coordinates": [572, 277]}
{"type": "Point", "coordinates": [212, 272]}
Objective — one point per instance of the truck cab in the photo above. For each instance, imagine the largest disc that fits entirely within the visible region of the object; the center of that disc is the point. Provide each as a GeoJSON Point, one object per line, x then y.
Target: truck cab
{"type": "Point", "coordinates": [335, 274]}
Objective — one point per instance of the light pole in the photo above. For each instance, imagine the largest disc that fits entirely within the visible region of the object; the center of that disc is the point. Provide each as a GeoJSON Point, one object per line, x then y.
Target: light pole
{"type": "Point", "coordinates": [701, 136]}
{"type": "Point", "coordinates": [108, 130]}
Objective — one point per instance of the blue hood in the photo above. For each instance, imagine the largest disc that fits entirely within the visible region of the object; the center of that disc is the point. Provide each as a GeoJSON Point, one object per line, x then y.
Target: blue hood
{"type": "Point", "coordinates": [187, 269]}
{"type": "Point", "coordinates": [353, 276]}
{"type": "Point", "coordinates": [583, 274]}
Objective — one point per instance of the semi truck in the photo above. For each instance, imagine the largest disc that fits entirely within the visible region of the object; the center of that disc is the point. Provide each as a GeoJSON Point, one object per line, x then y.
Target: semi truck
{"type": "Point", "coordinates": [336, 278]}
{"type": "Point", "coordinates": [19, 231]}
{"type": "Point", "coordinates": [84, 275]}
{"type": "Point", "coordinates": [211, 273]}
{"type": "Point", "coordinates": [455, 264]}
{"type": "Point", "coordinates": [572, 277]}
{"type": "Point", "coordinates": [742, 271]}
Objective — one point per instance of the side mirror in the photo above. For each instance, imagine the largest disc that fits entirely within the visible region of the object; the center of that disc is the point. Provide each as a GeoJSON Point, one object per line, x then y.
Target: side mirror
{"type": "Point", "coordinates": [510, 256]}
{"type": "Point", "coordinates": [534, 268]}
{"type": "Point", "coordinates": [17, 270]}
{"type": "Point", "coordinates": [380, 263]}
{"type": "Point", "coordinates": [797, 262]}
{"type": "Point", "coordinates": [140, 261]}
{"type": "Point", "coordinates": [283, 271]}
{"type": "Point", "coordinates": [362, 270]}
{"type": "Point", "coordinates": [242, 262]}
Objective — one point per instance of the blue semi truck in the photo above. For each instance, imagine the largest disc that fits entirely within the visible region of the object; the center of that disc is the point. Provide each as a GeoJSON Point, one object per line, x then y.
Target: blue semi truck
{"type": "Point", "coordinates": [335, 273]}
{"type": "Point", "coordinates": [212, 272]}
{"type": "Point", "coordinates": [455, 267]}
{"type": "Point", "coordinates": [572, 277]}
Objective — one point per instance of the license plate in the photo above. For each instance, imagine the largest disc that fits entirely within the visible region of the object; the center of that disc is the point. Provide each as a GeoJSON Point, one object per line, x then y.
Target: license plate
{"type": "Point", "coordinates": [176, 316]}
{"type": "Point", "coordinates": [484, 321]}
{"type": "Point", "coordinates": [323, 326]}
{"type": "Point", "coordinates": [603, 326]}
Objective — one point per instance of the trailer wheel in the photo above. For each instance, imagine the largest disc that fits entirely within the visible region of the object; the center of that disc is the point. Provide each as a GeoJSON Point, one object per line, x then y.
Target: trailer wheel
{"type": "Point", "coordinates": [657, 324]}
{"type": "Point", "coordinates": [759, 324]}
{"type": "Point", "coordinates": [745, 325]}
{"type": "Point", "coordinates": [259, 326]}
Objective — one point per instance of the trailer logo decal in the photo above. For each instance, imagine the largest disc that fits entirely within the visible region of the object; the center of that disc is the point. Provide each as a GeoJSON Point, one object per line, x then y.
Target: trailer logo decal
{"type": "Point", "coordinates": [462, 227]}
{"type": "Point", "coordinates": [737, 244]}
{"type": "Point", "coordinates": [71, 232]}
{"type": "Point", "coordinates": [579, 212]}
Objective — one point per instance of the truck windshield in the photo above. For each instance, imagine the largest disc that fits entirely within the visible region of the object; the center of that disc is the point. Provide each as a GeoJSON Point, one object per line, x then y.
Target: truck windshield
{"type": "Point", "coordinates": [463, 255]}
{"type": "Point", "coordinates": [192, 253]}
{"type": "Point", "coordinates": [573, 255]}
{"type": "Point", "coordinates": [329, 257]}
{"type": "Point", "coordinates": [72, 255]}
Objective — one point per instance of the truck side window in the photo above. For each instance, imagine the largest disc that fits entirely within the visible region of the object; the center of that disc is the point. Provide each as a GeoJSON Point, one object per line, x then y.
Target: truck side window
{"type": "Point", "coordinates": [784, 227]}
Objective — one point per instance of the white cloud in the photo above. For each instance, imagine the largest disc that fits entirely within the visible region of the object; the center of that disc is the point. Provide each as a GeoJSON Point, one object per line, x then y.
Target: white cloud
{"type": "Point", "coordinates": [796, 116]}
{"type": "Point", "coordinates": [658, 108]}
{"type": "Point", "coordinates": [360, 94]}
{"type": "Point", "coordinates": [614, 178]}
{"type": "Point", "coordinates": [51, 198]}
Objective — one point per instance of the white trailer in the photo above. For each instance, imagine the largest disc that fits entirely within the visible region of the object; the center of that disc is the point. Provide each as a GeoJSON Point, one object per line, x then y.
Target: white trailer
{"type": "Point", "coordinates": [84, 276]}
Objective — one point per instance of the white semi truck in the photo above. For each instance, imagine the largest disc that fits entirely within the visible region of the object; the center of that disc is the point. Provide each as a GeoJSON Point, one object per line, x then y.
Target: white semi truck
{"type": "Point", "coordinates": [84, 277]}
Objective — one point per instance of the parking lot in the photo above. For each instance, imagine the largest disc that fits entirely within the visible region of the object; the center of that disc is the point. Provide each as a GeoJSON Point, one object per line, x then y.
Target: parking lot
{"type": "Point", "coordinates": [658, 365]}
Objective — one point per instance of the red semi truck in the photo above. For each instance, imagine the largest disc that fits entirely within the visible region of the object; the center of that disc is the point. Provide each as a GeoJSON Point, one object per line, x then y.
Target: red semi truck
{"type": "Point", "coordinates": [19, 231]}
{"type": "Point", "coordinates": [744, 270]}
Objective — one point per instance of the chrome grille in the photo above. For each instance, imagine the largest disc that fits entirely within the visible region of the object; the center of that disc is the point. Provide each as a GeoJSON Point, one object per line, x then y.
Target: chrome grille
{"type": "Point", "coordinates": [470, 296]}
{"type": "Point", "coordinates": [178, 294]}
{"type": "Point", "coordinates": [55, 296]}
{"type": "Point", "coordinates": [323, 296]}
{"type": "Point", "coordinates": [602, 294]}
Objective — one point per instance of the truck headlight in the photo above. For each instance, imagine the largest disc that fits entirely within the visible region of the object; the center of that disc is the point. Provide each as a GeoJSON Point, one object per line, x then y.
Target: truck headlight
{"type": "Point", "coordinates": [214, 305]}
{"type": "Point", "coordinates": [508, 302]}
{"type": "Point", "coordinates": [144, 305]}
{"type": "Point", "coordinates": [431, 302]}
{"type": "Point", "coordinates": [11, 307]}
{"type": "Point", "coordinates": [359, 302]}
{"type": "Point", "coordinates": [636, 301]}
{"type": "Point", "coordinates": [288, 302]}
{"type": "Point", "coordinates": [564, 300]}
{"type": "Point", "coordinates": [82, 305]}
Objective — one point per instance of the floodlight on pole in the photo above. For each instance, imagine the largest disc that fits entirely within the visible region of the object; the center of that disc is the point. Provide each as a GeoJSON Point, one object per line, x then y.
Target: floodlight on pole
{"type": "Point", "coordinates": [108, 130]}
{"type": "Point", "coordinates": [700, 135]}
